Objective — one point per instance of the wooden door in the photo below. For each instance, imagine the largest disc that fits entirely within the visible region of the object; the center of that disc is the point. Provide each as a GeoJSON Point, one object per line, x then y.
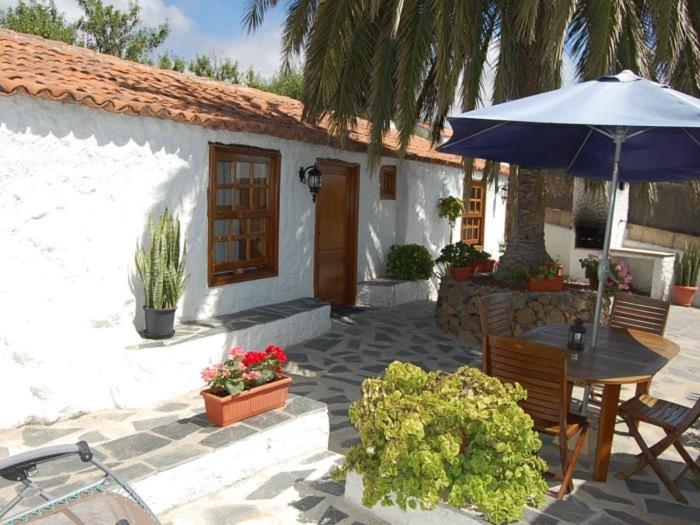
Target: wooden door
{"type": "Point", "coordinates": [336, 234]}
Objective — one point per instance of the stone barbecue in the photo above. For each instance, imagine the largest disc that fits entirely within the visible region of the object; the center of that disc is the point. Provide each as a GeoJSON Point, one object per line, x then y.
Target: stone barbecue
{"type": "Point", "coordinates": [458, 307]}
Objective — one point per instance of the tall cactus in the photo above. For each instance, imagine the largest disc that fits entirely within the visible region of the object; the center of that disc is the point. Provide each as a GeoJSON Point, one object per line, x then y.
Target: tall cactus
{"type": "Point", "coordinates": [160, 267]}
{"type": "Point", "coordinates": [687, 266]}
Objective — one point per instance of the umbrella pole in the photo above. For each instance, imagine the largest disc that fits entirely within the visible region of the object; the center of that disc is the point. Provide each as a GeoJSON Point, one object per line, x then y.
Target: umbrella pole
{"type": "Point", "coordinates": [604, 267]}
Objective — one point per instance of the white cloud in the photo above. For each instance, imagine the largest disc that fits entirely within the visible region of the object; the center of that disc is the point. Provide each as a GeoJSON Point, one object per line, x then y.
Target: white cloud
{"type": "Point", "coordinates": [261, 49]}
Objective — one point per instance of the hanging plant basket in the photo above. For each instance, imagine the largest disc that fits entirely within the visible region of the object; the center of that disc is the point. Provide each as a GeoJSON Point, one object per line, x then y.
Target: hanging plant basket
{"type": "Point", "coordinates": [224, 409]}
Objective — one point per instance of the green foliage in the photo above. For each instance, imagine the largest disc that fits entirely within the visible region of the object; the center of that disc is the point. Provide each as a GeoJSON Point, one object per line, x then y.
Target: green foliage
{"type": "Point", "coordinates": [687, 265]}
{"type": "Point", "coordinates": [410, 262]}
{"type": "Point", "coordinates": [545, 271]}
{"type": "Point", "coordinates": [459, 255]}
{"type": "Point", "coordinates": [115, 32]}
{"type": "Point", "coordinates": [517, 275]}
{"type": "Point", "coordinates": [202, 66]}
{"type": "Point", "coordinates": [171, 62]}
{"type": "Point", "coordinates": [38, 17]}
{"type": "Point", "coordinates": [228, 71]}
{"type": "Point", "coordinates": [460, 438]}
{"type": "Point", "coordinates": [450, 208]}
{"type": "Point", "coordinates": [286, 81]}
{"type": "Point", "coordinates": [159, 267]}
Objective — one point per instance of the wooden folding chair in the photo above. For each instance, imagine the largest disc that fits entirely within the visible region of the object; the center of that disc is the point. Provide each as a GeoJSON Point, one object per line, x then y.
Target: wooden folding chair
{"type": "Point", "coordinates": [495, 315]}
{"type": "Point", "coordinates": [638, 312]}
{"type": "Point", "coordinates": [541, 370]}
{"type": "Point", "coordinates": [674, 419]}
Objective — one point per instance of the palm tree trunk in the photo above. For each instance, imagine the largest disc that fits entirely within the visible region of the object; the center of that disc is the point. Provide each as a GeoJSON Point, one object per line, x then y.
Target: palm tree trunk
{"type": "Point", "coordinates": [525, 249]}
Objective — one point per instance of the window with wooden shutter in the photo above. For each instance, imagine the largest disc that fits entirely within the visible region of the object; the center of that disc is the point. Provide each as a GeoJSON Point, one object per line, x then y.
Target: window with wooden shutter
{"type": "Point", "coordinates": [387, 183]}
{"type": "Point", "coordinates": [473, 217]}
{"type": "Point", "coordinates": [243, 213]}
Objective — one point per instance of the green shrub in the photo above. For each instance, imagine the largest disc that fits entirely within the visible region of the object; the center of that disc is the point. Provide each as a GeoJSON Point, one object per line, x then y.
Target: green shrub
{"type": "Point", "coordinates": [687, 266]}
{"type": "Point", "coordinates": [410, 262]}
{"type": "Point", "coordinates": [450, 208]}
{"type": "Point", "coordinates": [460, 438]}
{"type": "Point", "coordinates": [459, 254]}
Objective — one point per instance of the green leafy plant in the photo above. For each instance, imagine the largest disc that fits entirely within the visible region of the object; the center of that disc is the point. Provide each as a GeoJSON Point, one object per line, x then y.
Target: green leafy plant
{"type": "Point", "coordinates": [459, 255]}
{"type": "Point", "coordinates": [517, 275]}
{"type": "Point", "coordinates": [480, 255]}
{"type": "Point", "coordinates": [459, 438]}
{"type": "Point", "coordinates": [546, 271]}
{"type": "Point", "coordinates": [160, 267]}
{"type": "Point", "coordinates": [687, 265]}
{"type": "Point", "coordinates": [410, 262]}
{"type": "Point", "coordinates": [450, 208]}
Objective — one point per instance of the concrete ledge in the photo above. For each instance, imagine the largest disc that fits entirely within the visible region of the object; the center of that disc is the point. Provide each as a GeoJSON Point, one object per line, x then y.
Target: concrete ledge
{"type": "Point", "coordinates": [303, 435]}
{"type": "Point", "coordinates": [440, 515]}
{"type": "Point", "coordinates": [385, 292]}
{"type": "Point", "coordinates": [161, 371]}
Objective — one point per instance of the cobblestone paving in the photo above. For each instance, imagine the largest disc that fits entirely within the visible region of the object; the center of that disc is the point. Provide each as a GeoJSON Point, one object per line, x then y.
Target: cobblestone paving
{"type": "Point", "coordinates": [300, 492]}
{"type": "Point", "coordinates": [360, 344]}
{"type": "Point", "coordinates": [330, 369]}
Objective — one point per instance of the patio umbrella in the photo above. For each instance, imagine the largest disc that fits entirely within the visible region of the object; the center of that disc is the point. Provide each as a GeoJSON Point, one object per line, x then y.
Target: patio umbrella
{"type": "Point", "coordinates": [622, 128]}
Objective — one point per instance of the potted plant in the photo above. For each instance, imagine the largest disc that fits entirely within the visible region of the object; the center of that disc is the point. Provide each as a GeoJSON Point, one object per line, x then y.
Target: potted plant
{"type": "Point", "coordinates": [619, 269]}
{"type": "Point", "coordinates": [686, 275]}
{"type": "Point", "coordinates": [460, 438]}
{"type": "Point", "coordinates": [161, 269]}
{"type": "Point", "coordinates": [450, 208]}
{"type": "Point", "coordinates": [546, 279]}
{"type": "Point", "coordinates": [483, 263]}
{"type": "Point", "coordinates": [459, 257]}
{"type": "Point", "coordinates": [247, 383]}
{"type": "Point", "coordinates": [409, 262]}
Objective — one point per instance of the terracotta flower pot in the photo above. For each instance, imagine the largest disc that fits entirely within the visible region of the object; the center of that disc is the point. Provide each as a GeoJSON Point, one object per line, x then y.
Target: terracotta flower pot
{"type": "Point", "coordinates": [546, 285]}
{"type": "Point", "coordinates": [461, 274]}
{"type": "Point", "coordinates": [227, 409]}
{"type": "Point", "coordinates": [683, 295]}
{"type": "Point", "coordinates": [484, 266]}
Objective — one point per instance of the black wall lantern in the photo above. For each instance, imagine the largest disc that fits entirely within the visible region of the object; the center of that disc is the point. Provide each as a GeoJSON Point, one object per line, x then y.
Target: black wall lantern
{"type": "Point", "coordinates": [312, 177]}
{"type": "Point", "coordinates": [504, 192]}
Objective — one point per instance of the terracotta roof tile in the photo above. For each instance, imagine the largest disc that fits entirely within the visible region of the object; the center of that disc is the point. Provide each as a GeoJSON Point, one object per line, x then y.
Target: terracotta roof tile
{"type": "Point", "coordinates": [37, 67]}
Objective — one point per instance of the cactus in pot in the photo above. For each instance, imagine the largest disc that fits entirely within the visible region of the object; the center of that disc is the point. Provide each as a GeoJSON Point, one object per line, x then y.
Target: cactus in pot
{"type": "Point", "coordinates": [687, 265]}
{"type": "Point", "coordinates": [161, 269]}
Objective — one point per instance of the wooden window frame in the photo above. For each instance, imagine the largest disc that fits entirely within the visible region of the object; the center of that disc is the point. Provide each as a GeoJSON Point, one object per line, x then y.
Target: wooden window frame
{"type": "Point", "coordinates": [270, 261]}
{"type": "Point", "coordinates": [474, 215]}
{"type": "Point", "coordinates": [387, 192]}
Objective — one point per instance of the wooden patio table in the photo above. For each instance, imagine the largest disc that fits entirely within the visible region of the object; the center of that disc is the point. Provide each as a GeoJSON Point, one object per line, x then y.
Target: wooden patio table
{"type": "Point", "coordinates": [623, 356]}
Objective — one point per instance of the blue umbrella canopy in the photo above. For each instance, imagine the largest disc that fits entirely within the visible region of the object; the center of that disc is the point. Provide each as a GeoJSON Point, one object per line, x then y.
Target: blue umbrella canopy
{"type": "Point", "coordinates": [619, 128]}
{"type": "Point", "coordinates": [573, 128]}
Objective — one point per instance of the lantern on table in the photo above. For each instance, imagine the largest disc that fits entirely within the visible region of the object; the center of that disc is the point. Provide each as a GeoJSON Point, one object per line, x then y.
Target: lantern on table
{"type": "Point", "coordinates": [577, 335]}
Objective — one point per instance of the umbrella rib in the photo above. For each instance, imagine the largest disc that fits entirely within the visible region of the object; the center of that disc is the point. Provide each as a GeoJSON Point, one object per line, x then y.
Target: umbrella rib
{"type": "Point", "coordinates": [697, 142]}
{"type": "Point", "coordinates": [578, 152]}
{"type": "Point", "coordinates": [477, 133]}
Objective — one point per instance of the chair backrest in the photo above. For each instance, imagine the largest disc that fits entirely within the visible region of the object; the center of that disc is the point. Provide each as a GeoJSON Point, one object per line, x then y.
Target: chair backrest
{"type": "Point", "coordinates": [540, 369]}
{"type": "Point", "coordinates": [495, 315]}
{"type": "Point", "coordinates": [640, 313]}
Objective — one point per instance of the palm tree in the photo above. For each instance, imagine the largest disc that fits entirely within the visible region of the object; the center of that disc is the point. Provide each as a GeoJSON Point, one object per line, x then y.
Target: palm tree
{"type": "Point", "coordinates": [410, 61]}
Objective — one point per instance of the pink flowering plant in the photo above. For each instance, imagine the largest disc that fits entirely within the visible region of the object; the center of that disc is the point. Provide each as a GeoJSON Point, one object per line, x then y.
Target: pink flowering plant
{"type": "Point", "coordinates": [243, 370]}
{"type": "Point", "coordinates": [619, 269]}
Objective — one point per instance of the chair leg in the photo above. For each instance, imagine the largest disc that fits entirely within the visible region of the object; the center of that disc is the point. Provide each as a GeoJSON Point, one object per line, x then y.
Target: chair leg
{"type": "Point", "coordinates": [567, 482]}
{"type": "Point", "coordinates": [584, 399]}
{"type": "Point", "coordinates": [690, 464]}
{"type": "Point", "coordinates": [564, 459]}
{"type": "Point", "coordinates": [653, 463]}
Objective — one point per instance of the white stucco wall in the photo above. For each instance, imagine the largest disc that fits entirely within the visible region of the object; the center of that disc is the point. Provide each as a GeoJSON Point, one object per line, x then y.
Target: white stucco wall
{"type": "Point", "coordinates": [494, 218]}
{"type": "Point", "coordinates": [77, 185]}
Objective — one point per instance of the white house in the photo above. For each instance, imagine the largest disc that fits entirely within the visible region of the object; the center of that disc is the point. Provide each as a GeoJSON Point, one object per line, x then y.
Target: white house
{"type": "Point", "coordinates": [90, 145]}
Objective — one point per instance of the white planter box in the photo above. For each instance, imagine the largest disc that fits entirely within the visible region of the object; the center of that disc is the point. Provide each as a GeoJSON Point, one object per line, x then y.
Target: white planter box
{"type": "Point", "coordinates": [440, 515]}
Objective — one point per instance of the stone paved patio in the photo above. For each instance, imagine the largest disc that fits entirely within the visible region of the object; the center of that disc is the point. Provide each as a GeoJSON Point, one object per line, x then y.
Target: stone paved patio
{"type": "Point", "coordinates": [330, 369]}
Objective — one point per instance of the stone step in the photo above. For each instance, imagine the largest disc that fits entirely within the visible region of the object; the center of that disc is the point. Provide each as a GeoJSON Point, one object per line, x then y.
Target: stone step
{"type": "Point", "coordinates": [169, 452]}
{"type": "Point", "coordinates": [160, 370]}
{"type": "Point", "coordinates": [384, 292]}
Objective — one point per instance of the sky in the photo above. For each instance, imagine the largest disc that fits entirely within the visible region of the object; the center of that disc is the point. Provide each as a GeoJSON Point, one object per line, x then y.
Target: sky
{"type": "Point", "coordinates": [216, 27]}
{"type": "Point", "coordinates": [204, 26]}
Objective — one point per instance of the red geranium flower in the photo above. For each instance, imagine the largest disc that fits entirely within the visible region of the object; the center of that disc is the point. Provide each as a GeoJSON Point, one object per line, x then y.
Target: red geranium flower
{"type": "Point", "coordinates": [253, 358]}
{"type": "Point", "coordinates": [276, 352]}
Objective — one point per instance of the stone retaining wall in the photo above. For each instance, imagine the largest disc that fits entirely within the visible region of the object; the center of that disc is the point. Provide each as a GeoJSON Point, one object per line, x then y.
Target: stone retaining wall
{"type": "Point", "coordinates": [458, 307]}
